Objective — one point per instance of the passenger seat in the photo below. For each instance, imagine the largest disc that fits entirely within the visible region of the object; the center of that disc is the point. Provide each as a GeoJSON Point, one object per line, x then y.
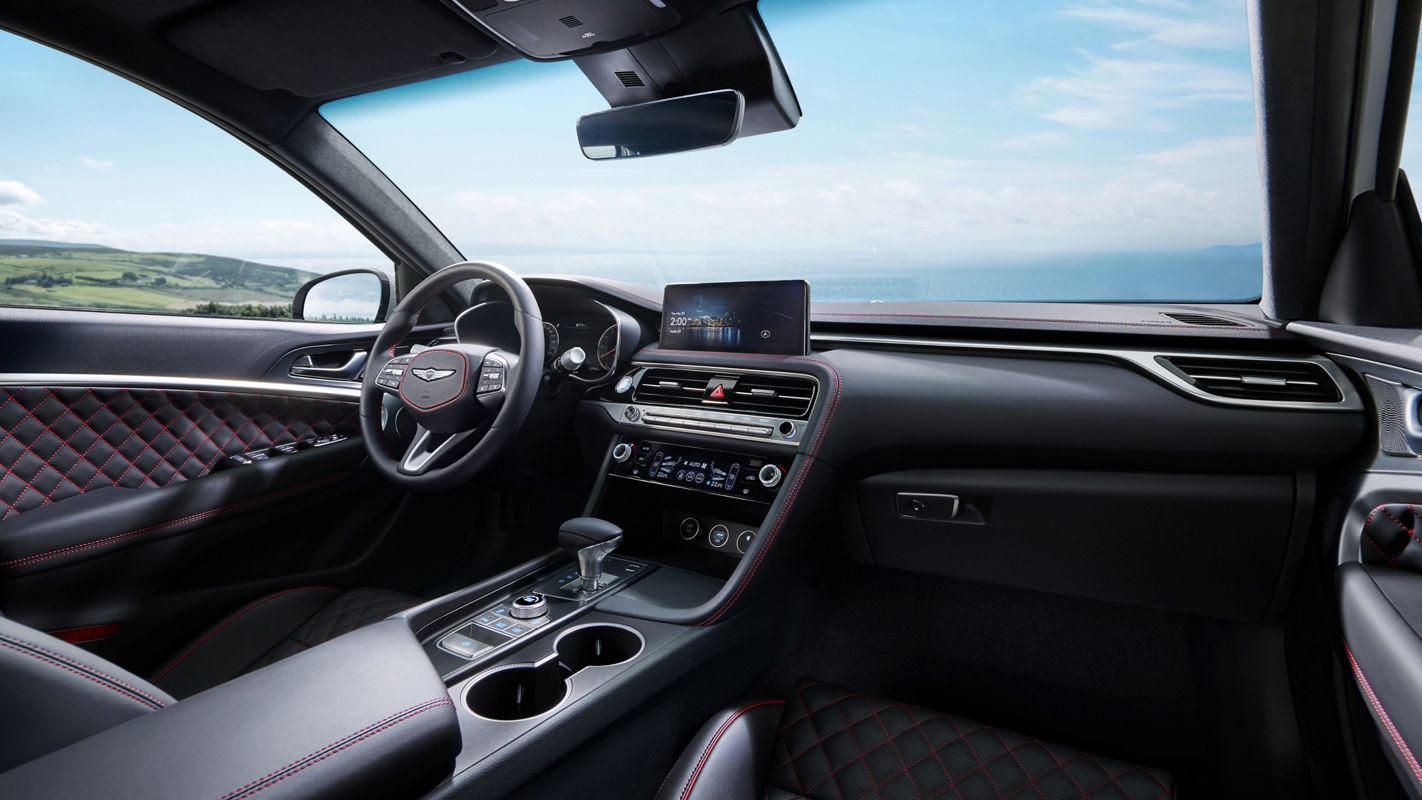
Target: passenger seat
{"type": "Point", "coordinates": [827, 743]}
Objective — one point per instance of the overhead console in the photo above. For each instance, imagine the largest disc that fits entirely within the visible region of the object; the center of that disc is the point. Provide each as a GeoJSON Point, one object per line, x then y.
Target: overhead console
{"type": "Point", "coordinates": [546, 29]}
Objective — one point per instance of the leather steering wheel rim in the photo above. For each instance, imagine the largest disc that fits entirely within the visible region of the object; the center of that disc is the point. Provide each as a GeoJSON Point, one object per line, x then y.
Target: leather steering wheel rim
{"type": "Point", "coordinates": [520, 384]}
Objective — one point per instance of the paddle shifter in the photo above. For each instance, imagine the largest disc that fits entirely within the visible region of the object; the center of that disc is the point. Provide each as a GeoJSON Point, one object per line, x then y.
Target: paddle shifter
{"type": "Point", "coordinates": [591, 539]}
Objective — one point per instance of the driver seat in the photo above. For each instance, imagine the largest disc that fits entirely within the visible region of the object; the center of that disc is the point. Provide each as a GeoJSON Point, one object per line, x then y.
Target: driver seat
{"type": "Point", "coordinates": [57, 693]}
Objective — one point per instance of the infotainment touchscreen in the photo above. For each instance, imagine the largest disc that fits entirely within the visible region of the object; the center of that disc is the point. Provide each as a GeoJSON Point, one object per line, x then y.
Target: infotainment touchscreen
{"type": "Point", "coordinates": [753, 317]}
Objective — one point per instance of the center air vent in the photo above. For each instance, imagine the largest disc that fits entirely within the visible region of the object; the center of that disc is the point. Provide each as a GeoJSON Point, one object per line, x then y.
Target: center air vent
{"type": "Point", "coordinates": [781, 395]}
{"type": "Point", "coordinates": [1258, 379]}
{"type": "Point", "coordinates": [747, 393]}
{"type": "Point", "coordinates": [570, 21]}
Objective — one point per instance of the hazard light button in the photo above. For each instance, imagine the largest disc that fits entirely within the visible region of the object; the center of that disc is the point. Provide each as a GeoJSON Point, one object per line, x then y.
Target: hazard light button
{"type": "Point", "coordinates": [720, 388]}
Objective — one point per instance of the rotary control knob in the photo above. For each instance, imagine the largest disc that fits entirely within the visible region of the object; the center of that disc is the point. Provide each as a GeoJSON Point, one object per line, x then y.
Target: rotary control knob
{"type": "Point", "coordinates": [528, 606]}
{"type": "Point", "coordinates": [770, 476]}
{"type": "Point", "coordinates": [621, 452]}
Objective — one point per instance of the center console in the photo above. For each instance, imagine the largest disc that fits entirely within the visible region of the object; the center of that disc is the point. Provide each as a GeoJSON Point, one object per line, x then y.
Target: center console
{"type": "Point", "coordinates": [695, 458]}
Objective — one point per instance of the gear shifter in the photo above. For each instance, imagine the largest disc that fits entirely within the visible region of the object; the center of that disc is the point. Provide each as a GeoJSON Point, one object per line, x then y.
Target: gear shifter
{"type": "Point", "coordinates": [592, 540]}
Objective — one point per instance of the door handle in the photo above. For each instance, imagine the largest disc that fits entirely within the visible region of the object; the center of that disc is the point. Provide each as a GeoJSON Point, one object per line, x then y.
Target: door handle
{"type": "Point", "coordinates": [305, 367]}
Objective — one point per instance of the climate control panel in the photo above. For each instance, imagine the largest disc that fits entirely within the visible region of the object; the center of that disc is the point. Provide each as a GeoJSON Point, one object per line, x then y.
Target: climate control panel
{"type": "Point", "coordinates": [741, 476]}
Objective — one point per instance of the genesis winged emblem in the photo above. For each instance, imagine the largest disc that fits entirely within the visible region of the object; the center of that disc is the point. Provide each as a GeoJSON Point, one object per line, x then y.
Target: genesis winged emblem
{"type": "Point", "coordinates": [429, 375]}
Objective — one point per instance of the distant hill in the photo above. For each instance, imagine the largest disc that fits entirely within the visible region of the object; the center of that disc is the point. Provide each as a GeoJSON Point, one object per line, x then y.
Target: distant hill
{"type": "Point", "coordinates": [43, 273]}
{"type": "Point", "coordinates": [31, 244]}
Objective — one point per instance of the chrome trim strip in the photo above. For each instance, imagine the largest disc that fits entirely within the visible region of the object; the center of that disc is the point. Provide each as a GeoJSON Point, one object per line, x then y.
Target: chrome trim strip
{"type": "Point", "coordinates": [614, 409]}
{"type": "Point", "coordinates": [1143, 360]}
{"type": "Point", "coordinates": [85, 380]}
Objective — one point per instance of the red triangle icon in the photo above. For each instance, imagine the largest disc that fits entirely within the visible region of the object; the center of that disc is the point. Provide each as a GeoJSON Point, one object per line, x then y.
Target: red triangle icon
{"type": "Point", "coordinates": [718, 392]}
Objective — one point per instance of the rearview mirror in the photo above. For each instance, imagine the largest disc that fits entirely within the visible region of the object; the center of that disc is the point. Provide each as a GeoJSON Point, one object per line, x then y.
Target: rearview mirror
{"type": "Point", "coordinates": [674, 125]}
{"type": "Point", "coordinates": [353, 295]}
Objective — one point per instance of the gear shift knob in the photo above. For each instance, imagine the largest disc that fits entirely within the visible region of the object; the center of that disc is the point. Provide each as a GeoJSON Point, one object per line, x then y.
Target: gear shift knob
{"type": "Point", "coordinates": [591, 539]}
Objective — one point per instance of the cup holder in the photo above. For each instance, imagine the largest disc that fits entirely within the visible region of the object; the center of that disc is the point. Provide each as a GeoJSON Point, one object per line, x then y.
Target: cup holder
{"type": "Point", "coordinates": [525, 691]}
{"type": "Point", "coordinates": [597, 646]}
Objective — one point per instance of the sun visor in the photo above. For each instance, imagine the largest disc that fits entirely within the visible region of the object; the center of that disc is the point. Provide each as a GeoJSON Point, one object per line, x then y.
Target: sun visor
{"type": "Point", "coordinates": [324, 48]}
{"type": "Point", "coordinates": [730, 51]}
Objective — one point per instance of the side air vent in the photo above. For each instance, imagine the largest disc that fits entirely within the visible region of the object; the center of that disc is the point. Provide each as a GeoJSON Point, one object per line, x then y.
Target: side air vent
{"type": "Point", "coordinates": [570, 21]}
{"type": "Point", "coordinates": [1258, 379]}
{"type": "Point", "coordinates": [747, 393]}
{"type": "Point", "coordinates": [1204, 319]}
{"type": "Point", "coordinates": [780, 395]}
{"type": "Point", "coordinates": [672, 387]}
{"type": "Point", "coordinates": [630, 79]}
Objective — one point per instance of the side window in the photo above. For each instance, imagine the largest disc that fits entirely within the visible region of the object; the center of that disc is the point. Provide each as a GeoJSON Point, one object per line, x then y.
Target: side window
{"type": "Point", "coordinates": [112, 197]}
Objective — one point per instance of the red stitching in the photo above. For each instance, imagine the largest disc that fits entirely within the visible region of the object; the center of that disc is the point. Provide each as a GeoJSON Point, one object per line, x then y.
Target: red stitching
{"type": "Point", "coordinates": [706, 754]}
{"type": "Point", "coordinates": [171, 523]}
{"type": "Point", "coordinates": [229, 621]}
{"type": "Point", "coordinates": [344, 743]}
{"type": "Point", "coordinates": [88, 673]}
{"type": "Point", "coordinates": [463, 383]}
{"type": "Point", "coordinates": [821, 431]}
{"type": "Point", "coordinates": [1382, 714]}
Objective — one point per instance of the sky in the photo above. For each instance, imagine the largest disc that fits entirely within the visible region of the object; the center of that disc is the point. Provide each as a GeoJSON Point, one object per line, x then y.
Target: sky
{"type": "Point", "coordinates": [935, 132]}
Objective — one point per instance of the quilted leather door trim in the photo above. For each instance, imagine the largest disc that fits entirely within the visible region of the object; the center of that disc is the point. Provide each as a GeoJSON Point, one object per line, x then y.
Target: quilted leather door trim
{"type": "Point", "coordinates": [57, 443]}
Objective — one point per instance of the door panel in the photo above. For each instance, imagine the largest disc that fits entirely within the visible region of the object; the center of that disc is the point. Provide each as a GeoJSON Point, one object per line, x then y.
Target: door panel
{"type": "Point", "coordinates": [120, 504]}
{"type": "Point", "coordinates": [1375, 552]}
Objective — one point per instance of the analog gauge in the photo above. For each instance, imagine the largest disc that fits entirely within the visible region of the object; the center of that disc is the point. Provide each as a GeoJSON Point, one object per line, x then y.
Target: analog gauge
{"type": "Point", "coordinates": [607, 349]}
{"type": "Point", "coordinates": [550, 342]}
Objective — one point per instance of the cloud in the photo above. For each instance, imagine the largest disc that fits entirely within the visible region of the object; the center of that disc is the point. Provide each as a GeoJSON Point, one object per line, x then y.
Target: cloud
{"type": "Point", "coordinates": [1202, 150]}
{"type": "Point", "coordinates": [14, 225]}
{"type": "Point", "coordinates": [1196, 195]}
{"type": "Point", "coordinates": [1212, 26]}
{"type": "Point", "coordinates": [97, 164]}
{"type": "Point", "coordinates": [14, 193]}
{"type": "Point", "coordinates": [1121, 92]}
{"type": "Point", "coordinates": [1173, 67]}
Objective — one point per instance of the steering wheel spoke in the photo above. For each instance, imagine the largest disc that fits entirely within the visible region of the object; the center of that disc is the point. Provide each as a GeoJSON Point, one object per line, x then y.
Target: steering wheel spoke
{"type": "Point", "coordinates": [428, 448]}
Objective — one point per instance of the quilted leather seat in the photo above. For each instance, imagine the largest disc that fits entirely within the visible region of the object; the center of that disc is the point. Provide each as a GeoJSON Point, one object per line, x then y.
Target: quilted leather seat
{"type": "Point", "coordinates": [827, 743]}
{"type": "Point", "coordinates": [272, 628]}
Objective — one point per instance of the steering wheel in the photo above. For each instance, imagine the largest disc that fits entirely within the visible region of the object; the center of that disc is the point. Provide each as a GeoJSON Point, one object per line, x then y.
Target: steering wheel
{"type": "Point", "coordinates": [467, 400]}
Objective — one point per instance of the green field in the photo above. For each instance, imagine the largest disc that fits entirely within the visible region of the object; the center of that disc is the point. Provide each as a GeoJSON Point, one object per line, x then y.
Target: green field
{"type": "Point", "coordinates": [85, 276]}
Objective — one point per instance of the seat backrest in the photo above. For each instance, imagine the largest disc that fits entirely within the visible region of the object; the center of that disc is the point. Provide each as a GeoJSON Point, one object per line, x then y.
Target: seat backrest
{"type": "Point", "coordinates": [53, 694]}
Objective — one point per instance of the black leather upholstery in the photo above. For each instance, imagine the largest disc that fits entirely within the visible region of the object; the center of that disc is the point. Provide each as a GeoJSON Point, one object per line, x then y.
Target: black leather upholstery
{"type": "Point", "coordinates": [364, 716]}
{"type": "Point", "coordinates": [58, 443]}
{"type": "Point", "coordinates": [728, 757]}
{"type": "Point", "coordinates": [1390, 539]}
{"type": "Point", "coordinates": [827, 743]}
{"type": "Point", "coordinates": [273, 628]}
{"type": "Point", "coordinates": [54, 693]}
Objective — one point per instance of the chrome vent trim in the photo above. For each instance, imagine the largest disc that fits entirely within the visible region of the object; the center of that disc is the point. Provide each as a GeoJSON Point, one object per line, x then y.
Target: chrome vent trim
{"type": "Point", "coordinates": [1257, 379]}
{"type": "Point", "coordinates": [781, 395]}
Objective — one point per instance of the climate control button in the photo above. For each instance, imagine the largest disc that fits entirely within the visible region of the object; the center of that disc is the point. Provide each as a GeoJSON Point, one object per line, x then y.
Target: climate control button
{"type": "Point", "coordinates": [770, 476]}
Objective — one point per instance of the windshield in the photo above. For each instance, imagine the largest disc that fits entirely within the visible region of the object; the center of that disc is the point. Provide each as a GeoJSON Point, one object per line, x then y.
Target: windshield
{"type": "Point", "coordinates": [1066, 150]}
